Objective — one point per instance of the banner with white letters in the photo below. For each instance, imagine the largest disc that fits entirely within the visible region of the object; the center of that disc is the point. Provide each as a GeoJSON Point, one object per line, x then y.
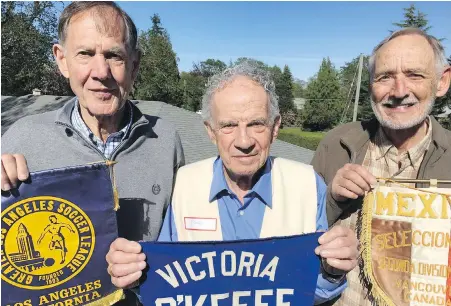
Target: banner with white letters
{"type": "Point", "coordinates": [278, 272]}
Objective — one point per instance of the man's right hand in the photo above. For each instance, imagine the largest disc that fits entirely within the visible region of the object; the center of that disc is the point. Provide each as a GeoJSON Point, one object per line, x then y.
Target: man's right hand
{"type": "Point", "coordinates": [350, 182]}
{"type": "Point", "coordinates": [14, 169]}
{"type": "Point", "coordinates": [125, 263]}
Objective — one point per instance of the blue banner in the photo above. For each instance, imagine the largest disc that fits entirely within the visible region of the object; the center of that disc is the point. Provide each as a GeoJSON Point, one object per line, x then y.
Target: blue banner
{"type": "Point", "coordinates": [277, 272]}
{"type": "Point", "coordinates": [56, 229]}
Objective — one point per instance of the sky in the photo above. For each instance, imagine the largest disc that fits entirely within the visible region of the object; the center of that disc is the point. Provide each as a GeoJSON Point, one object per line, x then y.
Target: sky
{"type": "Point", "coordinates": [297, 34]}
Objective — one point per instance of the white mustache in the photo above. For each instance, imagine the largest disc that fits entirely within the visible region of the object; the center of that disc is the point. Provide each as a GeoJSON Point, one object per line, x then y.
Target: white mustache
{"type": "Point", "coordinates": [406, 101]}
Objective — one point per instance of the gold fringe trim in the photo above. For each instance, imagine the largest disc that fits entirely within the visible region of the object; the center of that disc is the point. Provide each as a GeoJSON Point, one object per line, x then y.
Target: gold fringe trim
{"type": "Point", "coordinates": [109, 299]}
{"type": "Point", "coordinates": [376, 295]}
{"type": "Point", "coordinates": [447, 196]}
{"type": "Point", "coordinates": [364, 226]}
{"type": "Point", "coordinates": [111, 163]}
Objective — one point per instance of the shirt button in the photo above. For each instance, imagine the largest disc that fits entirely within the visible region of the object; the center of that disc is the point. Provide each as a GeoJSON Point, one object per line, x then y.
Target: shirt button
{"type": "Point", "coordinates": [241, 212]}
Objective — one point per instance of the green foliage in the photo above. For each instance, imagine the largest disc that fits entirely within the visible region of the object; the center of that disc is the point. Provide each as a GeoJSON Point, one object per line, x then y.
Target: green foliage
{"type": "Point", "coordinates": [347, 74]}
{"type": "Point", "coordinates": [158, 78]}
{"type": "Point", "coordinates": [28, 30]}
{"type": "Point", "coordinates": [413, 18]}
{"type": "Point", "coordinates": [286, 91]}
{"type": "Point", "coordinates": [277, 77]}
{"type": "Point", "coordinates": [193, 83]}
{"type": "Point", "coordinates": [324, 103]}
{"type": "Point", "coordinates": [298, 88]}
{"type": "Point", "coordinates": [259, 63]}
{"type": "Point", "coordinates": [208, 68]}
{"type": "Point", "coordinates": [283, 82]}
{"type": "Point", "coordinates": [193, 88]}
{"type": "Point", "coordinates": [443, 103]}
{"type": "Point", "coordinates": [292, 118]}
{"type": "Point", "coordinates": [296, 136]}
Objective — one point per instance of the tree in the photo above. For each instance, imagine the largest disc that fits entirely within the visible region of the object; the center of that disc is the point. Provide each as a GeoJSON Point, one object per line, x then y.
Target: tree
{"type": "Point", "coordinates": [286, 91]}
{"type": "Point", "coordinates": [283, 82]}
{"type": "Point", "coordinates": [299, 88]}
{"type": "Point", "coordinates": [158, 78]}
{"type": "Point", "coordinates": [324, 103]}
{"type": "Point", "coordinates": [277, 76]}
{"type": "Point", "coordinates": [259, 64]}
{"type": "Point", "coordinates": [348, 76]}
{"type": "Point", "coordinates": [193, 86]}
{"type": "Point", "coordinates": [443, 103]}
{"type": "Point", "coordinates": [28, 31]}
{"type": "Point", "coordinates": [208, 68]}
{"type": "Point", "coordinates": [193, 83]}
{"type": "Point", "coordinates": [413, 18]}
{"type": "Point", "coordinates": [53, 82]}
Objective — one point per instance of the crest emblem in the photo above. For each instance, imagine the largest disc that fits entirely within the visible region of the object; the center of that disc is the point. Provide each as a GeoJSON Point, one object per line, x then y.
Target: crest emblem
{"type": "Point", "coordinates": [45, 241]}
{"type": "Point", "coordinates": [156, 189]}
{"type": "Point", "coordinates": [405, 235]}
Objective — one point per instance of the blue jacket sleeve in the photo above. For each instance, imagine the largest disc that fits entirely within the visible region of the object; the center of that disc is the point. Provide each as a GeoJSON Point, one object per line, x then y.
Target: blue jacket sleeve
{"type": "Point", "coordinates": [168, 230]}
{"type": "Point", "coordinates": [325, 290]}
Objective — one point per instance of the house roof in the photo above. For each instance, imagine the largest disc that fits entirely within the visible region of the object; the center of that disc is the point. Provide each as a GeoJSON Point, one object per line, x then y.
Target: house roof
{"type": "Point", "coordinates": [446, 113]}
{"type": "Point", "coordinates": [195, 141]}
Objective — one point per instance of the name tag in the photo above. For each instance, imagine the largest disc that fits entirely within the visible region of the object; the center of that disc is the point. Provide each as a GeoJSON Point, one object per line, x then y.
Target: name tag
{"type": "Point", "coordinates": [200, 224]}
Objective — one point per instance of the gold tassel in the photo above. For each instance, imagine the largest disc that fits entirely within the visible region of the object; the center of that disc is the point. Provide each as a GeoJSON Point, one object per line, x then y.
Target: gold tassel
{"type": "Point", "coordinates": [377, 295]}
{"type": "Point", "coordinates": [109, 299]}
{"type": "Point", "coordinates": [111, 163]}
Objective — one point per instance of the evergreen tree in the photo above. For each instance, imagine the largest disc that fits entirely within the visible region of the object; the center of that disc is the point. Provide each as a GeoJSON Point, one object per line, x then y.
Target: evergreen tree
{"type": "Point", "coordinates": [193, 86]}
{"type": "Point", "coordinates": [348, 75]}
{"type": "Point", "coordinates": [286, 91]}
{"type": "Point", "coordinates": [324, 103]}
{"type": "Point", "coordinates": [413, 18]}
{"type": "Point", "coordinates": [158, 78]}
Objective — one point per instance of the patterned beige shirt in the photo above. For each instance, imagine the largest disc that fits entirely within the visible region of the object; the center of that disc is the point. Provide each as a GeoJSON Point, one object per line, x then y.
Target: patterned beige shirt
{"type": "Point", "coordinates": [382, 159]}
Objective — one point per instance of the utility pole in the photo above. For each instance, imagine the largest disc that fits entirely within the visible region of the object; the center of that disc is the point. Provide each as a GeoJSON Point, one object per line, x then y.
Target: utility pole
{"type": "Point", "coordinates": [357, 91]}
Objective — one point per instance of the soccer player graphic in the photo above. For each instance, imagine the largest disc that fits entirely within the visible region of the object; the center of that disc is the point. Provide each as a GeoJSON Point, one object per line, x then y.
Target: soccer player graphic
{"type": "Point", "coordinates": [58, 241]}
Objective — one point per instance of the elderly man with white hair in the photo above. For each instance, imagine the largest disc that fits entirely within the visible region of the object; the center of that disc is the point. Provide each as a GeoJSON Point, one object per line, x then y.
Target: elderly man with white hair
{"type": "Point", "coordinates": [251, 194]}
{"type": "Point", "coordinates": [408, 71]}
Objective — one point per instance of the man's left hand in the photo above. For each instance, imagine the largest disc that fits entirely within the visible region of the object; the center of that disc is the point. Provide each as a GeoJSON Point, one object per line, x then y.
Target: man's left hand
{"type": "Point", "coordinates": [339, 247]}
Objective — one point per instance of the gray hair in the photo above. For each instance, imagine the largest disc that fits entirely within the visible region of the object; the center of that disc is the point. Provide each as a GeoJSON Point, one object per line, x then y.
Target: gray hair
{"type": "Point", "coordinates": [247, 68]}
{"type": "Point", "coordinates": [77, 7]}
{"type": "Point", "coordinates": [437, 47]}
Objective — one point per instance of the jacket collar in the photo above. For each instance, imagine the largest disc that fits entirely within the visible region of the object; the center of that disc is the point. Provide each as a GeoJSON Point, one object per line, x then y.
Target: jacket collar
{"type": "Point", "coordinates": [355, 139]}
{"type": "Point", "coordinates": [439, 135]}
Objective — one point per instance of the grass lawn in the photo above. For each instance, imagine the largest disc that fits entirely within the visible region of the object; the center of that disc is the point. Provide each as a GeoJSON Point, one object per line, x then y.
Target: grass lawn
{"type": "Point", "coordinates": [296, 136]}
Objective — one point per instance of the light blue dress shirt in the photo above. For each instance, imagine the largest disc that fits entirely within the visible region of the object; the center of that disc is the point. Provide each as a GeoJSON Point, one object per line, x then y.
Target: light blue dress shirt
{"type": "Point", "coordinates": [244, 221]}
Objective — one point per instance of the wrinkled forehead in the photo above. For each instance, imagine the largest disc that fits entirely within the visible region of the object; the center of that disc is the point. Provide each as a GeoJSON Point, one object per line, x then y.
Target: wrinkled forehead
{"type": "Point", "coordinates": [107, 21]}
{"type": "Point", "coordinates": [408, 51]}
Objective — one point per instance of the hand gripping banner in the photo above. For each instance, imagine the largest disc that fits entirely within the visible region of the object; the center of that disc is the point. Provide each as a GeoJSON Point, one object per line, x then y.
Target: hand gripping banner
{"type": "Point", "coordinates": [277, 272]}
{"type": "Point", "coordinates": [56, 229]}
{"type": "Point", "coordinates": [405, 234]}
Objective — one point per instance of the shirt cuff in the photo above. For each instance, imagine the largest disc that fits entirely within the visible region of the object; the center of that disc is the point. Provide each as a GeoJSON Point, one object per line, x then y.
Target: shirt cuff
{"type": "Point", "coordinates": [135, 290]}
{"type": "Point", "coordinates": [327, 290]}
